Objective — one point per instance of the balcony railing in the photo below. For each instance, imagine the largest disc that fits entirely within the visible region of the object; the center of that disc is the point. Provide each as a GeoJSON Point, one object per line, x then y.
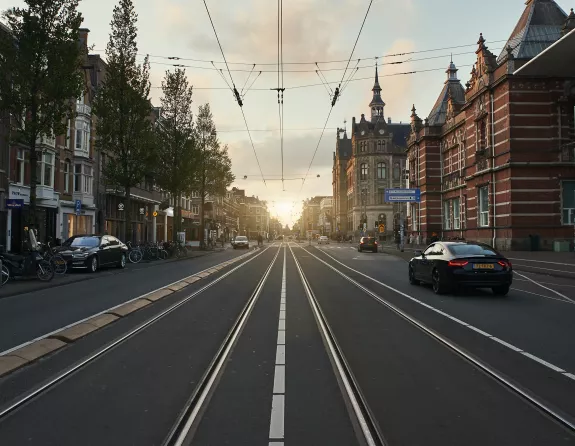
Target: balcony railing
{"type": "Point", "coordinates": [83, 109]}
{"type": "Point", "coordinates": [46, 141]}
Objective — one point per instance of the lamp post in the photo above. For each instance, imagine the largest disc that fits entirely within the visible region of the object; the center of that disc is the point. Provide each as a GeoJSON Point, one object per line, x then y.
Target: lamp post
{"type": "Point", "coordinates": [203, 187]}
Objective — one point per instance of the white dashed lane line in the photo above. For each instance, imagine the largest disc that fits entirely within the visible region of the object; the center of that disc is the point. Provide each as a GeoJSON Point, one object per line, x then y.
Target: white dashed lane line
{"type": "Point", "coordinates": [278, 399]}
{"type": "Point", "coordinates": [463, 323]}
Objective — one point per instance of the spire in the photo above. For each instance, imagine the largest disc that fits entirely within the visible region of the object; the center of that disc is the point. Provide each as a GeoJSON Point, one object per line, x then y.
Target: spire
{"type": "Point", "coordinates": [569, 23]}
{"type": "Point", "coordinates": [376, 105]}
{"type": "Point", "coordinates": [452, 72]}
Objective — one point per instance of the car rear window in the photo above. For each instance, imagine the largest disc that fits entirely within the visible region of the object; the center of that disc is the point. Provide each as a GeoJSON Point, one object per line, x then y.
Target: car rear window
{"type": "Point", "coordinates": [472, 250]}
{"type": "Point", "coordinates": [241, 238]}
{"type": "Point", "coordinates": [368, 240]}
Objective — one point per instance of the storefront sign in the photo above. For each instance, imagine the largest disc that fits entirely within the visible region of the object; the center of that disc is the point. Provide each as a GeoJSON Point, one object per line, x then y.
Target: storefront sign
{"type": "Point", "coordinates": [78, 207]}
{"type": "Point", "coordinates": [19, 192]}
{"type": "Point", "coordinates": [14, 203]}
{"type": "Point", "coordinates": [142, 211]}
{"type": "Point", "coordinates": [120, 206]}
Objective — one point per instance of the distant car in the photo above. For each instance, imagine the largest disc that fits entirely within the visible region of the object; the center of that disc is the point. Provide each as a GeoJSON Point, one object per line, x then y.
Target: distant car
{"type": "Point", "coordinates": [241, 241]}
{"type": "Point", "coordinates": [323, 240]}
{"type": "Point", "coordinates": [450, 265]}
{"type": "Point", "coordinates": [93, 252]}
{"type": "Point", "coordinates": [367, 244]}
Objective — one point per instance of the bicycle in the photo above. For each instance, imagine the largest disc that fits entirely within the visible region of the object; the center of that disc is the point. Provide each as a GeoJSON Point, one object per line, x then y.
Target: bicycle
{"type": "Point", "coordinates": [135, 255]}
{"type": "Point", "coordinates": [57, 262]}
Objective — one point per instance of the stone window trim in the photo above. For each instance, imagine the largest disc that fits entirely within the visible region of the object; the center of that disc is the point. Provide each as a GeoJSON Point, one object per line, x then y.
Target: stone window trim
{"type": "Point", "coordinates": [381, 170]}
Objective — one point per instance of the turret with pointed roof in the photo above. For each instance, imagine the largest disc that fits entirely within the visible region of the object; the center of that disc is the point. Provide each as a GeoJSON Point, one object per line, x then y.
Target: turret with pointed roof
{"type": "Point", "coordinates": [376, 105]}
{"type": "Point", "coordinates": [540, 26]}
{"type": "Point", "coordinates": [452, 91]}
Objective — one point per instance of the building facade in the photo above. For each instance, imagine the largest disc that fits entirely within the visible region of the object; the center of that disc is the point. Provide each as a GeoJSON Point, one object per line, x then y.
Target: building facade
{"type": "Point", "coordinates": [376, 162]}
{"type": "Point", "coordinates": [341, 156]}
{"type": "Point", "coordinates": [495, 159]}
{"type": "Point", "coordinates": [325, 216]}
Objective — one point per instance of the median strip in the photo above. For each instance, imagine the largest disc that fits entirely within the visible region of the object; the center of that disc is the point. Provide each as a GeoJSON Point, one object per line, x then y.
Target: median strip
{"type": "Point", "coordinates": [26, 353]}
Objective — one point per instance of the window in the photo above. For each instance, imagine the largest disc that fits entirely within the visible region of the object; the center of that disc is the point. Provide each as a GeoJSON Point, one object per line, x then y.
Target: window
{"type": "Point", "coordinates": [67, 176]}
{"type": "Point", "coordinates": [20, 166]}
{"type": "Point", "coordinates": [482, 135]}
{"type": "Point", "coordinates": [470, 249]}
{"type": "Point", "coordinates": [381, 196]}
{"type": "Point", "coordinates": [380, 146]}
{"type": "Point", "coordinates": [45, 169]}
{"type": "Point", "coordinates": [87, 180]}
{"type": "Point", "coordinates": [195, 194]}
{"type": "Point", "coordinates": [77, 178]}
{"type": "Point", "coordinates": [396, 171]}
{"type": "Point", "coordinates": [568, 202]}
{"type": "Point", "coordinates": [483, 199]}
{"type": "Point", "coordinates": [83, 136]}
{"type": "Point", "coordinates": [446, 215]}
{"type": "Point", "coordinates": [363, 171]}
{"type": "Point", "coordinates": [456, 214]}
{"type": "Point", "coordinates": [195, 209]}
{"type": "Point", "coordinates": [381, 173]}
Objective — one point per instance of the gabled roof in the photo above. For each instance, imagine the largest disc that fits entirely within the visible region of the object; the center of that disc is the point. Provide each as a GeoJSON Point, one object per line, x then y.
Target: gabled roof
{"type": "Point", "coordinates": [539, 26]}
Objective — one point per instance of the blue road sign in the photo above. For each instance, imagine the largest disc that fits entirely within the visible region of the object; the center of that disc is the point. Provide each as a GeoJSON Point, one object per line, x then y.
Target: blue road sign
{"type": "Point", "coordinates": [402, 195]}
{"type": "Point", "coordinates": [78, 207]}
{"type": "Point", "coordinates": [14, 203]}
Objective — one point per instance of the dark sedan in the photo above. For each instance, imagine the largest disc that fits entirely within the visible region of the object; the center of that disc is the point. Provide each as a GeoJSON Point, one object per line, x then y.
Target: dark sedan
{"type": "Point", "coordinates": [448, 266]}
{"type": "Point", "coordinates": [93, 252]}
{"type": "Point", "coordinates": [367, 244]}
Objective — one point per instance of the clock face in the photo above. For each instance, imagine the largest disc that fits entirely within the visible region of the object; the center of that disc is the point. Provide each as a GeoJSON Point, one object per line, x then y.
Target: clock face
{"type": "Point", "coordinates": [363, 132]}
{"type": "Point", "coordinates": [381, 132]}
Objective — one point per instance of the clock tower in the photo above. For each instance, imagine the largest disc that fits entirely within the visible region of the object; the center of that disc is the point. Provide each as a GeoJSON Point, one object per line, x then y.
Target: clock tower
{"type": "Point", "coordinates": [376, 105]}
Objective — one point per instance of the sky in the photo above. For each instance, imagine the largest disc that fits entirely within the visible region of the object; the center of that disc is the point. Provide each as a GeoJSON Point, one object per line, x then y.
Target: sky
{"type": "Point", "coordinates": [313, 31]}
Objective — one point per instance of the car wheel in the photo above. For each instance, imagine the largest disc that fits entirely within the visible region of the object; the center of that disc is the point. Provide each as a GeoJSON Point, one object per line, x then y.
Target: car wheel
{"type": "Point", "coordinates": [437, 283]}
{"type": "Point", "coordinates": [500, 290]}
{"type": "Point", "coordinates": [93, 264]}
{"type": "Point", "coordinates": [412, 279]}
{"type": "Point", "coordinates": [122, 262]}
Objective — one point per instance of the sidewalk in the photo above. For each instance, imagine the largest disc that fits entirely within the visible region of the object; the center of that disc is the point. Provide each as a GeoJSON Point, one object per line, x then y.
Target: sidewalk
{"type": "Point", "coordinates": [557, 264]}
{"type": "Point", "coordinates": [21, 285]}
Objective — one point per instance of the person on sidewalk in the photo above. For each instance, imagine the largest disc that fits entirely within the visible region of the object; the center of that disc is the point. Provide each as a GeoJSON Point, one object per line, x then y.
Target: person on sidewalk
{"type": "Point", "coordinates": [260, 240]}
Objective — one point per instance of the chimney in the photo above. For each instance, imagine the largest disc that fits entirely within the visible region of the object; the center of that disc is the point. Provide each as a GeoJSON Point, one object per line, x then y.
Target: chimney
{"type": "Point", "coordinates": [84, 38]}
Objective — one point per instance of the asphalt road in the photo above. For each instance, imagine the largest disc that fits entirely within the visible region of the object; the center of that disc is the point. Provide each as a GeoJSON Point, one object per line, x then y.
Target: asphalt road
{"type": "Point", "coordinates": [280, 382]}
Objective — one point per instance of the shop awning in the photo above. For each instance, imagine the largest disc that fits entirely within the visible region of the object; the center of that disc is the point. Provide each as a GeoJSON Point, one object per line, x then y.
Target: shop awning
{"type": "Point", "coordinates": [555, 61]}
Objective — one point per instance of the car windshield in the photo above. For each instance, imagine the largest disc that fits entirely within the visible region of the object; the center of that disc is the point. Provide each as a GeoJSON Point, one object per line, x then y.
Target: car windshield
{"type": "Point", "coordinates": [241, 238]}
{"type": "Point", "coordinates": [472, 250]}
{"type": "Point", "coordinates": [85, 242]}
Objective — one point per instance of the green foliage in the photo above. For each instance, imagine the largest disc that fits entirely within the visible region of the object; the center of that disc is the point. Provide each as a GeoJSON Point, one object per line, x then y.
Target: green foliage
{"type": "Point", "coordinates": [41, 65]}
{"type": "Point", "coordinates": [124, 110]}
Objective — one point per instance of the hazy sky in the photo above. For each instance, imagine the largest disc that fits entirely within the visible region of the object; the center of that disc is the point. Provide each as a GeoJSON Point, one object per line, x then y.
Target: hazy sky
{"type": "Point", "coordinates": [314, 31]}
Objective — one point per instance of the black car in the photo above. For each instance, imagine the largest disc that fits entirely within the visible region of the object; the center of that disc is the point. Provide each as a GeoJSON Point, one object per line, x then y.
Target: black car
{"type": "Point", "coordinates": [367, 244]}
{"type": "Point", "coordinates": [452, 265]}
{"type": "Point", "coordinates": [94, 251]}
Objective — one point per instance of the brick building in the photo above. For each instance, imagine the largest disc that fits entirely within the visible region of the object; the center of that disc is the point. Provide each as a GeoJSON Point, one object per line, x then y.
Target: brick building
{"type": "Point", "coordinates": [495, 159]}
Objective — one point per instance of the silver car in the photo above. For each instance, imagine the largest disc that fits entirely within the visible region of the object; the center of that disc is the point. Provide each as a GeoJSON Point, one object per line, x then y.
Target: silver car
{"type": "Point", "coordinates": [241, 241]}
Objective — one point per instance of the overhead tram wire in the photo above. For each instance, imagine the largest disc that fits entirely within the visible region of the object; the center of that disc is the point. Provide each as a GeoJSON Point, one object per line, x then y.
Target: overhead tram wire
{"type": "Point", "coordinates": [280, 86]}
{"type": "Point", "coordinates": [335, 96]}
{"type": "Point", "coordinates": [235, 92]}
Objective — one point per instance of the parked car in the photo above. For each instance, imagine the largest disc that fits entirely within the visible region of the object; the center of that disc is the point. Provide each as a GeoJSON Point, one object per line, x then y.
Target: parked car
{"type": "Point", "coordinates": [93, 252]}
{"type": "Point", "coordinates": [323, 240]}
{"type": "Point", "coordinates": [367, 244]}
{"type": "Point", "coordinates": [241, 241]}
{"type": "Point", "coordinates": [450, 265]}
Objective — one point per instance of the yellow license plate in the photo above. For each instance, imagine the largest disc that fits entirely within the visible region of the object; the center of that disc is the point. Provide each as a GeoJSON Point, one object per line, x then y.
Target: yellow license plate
{"type": "Point", "coordinates": [483, 266]}
{"type": "Point", "coordinates": [60, 262]}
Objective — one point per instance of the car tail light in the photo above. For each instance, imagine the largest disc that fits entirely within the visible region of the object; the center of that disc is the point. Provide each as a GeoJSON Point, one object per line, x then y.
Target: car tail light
{"type": "Point", "coordinates": [460, 263]}
{"type": "Point", "coordinates": [505, 263]}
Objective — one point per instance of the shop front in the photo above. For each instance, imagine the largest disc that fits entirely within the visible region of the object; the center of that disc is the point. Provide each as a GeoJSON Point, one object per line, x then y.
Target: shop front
{"type": "Point", "coordinates": [76, 219]}
{"type": "Point", "coordinates": [143, 229]}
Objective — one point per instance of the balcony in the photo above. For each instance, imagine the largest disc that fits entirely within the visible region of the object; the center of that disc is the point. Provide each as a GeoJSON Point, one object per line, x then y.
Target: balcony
{"type": "Point", "coordinates": [46, 142]}
{"type": "Point", "coordinates": [83, 109]}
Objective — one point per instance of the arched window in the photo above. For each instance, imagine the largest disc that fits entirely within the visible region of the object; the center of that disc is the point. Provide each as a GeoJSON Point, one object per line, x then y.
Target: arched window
{"type": "Point", "coordinates": [67, 167]}
{"type": "Point", "coordinates": [396, 171]}
{"type": "Point", "coordinates": [379, 146]}
{"type": "Point", "coordinates": [363, 171]}
{"type": "Point", "coordinates": [381, 171]}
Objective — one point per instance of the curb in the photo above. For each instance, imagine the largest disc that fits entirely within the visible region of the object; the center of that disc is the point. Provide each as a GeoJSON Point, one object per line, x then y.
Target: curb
{"type": "Point", "coordinates": [56, 284]}
{"type": "Point", "coordinates": [31, 351]}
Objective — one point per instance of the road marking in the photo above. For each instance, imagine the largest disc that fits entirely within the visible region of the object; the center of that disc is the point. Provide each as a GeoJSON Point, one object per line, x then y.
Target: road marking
{"type": "Point", "coordinates": [543, 269]}
{"type": "Point", "coordinates": [278, 399]}
{"type": "Point", "coordinates": [465, 324]}
{"type": "Point", "coordinates": [547, 288]}
{"type": "Point", "coordinates": [541, 261]}
{"type": "Point", "coordinates": [541, 295]}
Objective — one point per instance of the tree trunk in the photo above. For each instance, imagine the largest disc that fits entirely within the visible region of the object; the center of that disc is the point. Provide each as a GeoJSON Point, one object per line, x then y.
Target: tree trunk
{"type": "Point", "coordinates": [128, 211]}
{"type": "Point", "coordinates": [177, 216]}
{"type": "Point", "coordinates": [202, 230]}
{"type": "Point", "coordinates": [33, 217]}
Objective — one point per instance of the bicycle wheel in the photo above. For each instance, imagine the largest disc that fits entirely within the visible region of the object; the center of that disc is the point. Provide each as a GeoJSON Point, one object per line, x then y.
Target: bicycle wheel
{"type": "Point", "coordinates": [5, 274]}
{"type": "Point", "coordinates": [163, 254]}
{"type": "Point", "coordinates": [135, 256]}
{"type": "Point", "coordinates": [58, 263]}
{"type": "Point", "coordinates": [44, 271]}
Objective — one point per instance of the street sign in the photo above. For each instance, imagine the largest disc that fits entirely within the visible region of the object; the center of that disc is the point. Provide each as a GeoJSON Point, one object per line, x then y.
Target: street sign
{"type": "Point", "coordinates": [120, 206]}
{"type": "Point", "coordinates": [402, 195]}
{"type": "Point", "coordinates": [14, 203]}
{"type": "Point", "coordinates": [381, 228]}
{"type": "Point", "coordinates": [78, 207]}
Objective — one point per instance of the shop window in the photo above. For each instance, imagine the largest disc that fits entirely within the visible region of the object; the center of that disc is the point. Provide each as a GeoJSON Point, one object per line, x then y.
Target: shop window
{"type": "Point", "coordinates": [483, 199]}
{"type": "Point", "coordinates": [20, 166]}
{"type": "Point", "coordinates": [568, 202]}
{"type": "Point", "coordinates": [381, 171]}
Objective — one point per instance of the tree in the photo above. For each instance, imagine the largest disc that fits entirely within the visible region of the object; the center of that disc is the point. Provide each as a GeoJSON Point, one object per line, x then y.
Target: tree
{"type": "Point", "coordinates": [124, 110]}
{"type": "Point", "coordinates": [40, 62]}
{"type": "Point", "coordinates": [175, 144]}
{"type": "Point", "coordinates": [214, 173]}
